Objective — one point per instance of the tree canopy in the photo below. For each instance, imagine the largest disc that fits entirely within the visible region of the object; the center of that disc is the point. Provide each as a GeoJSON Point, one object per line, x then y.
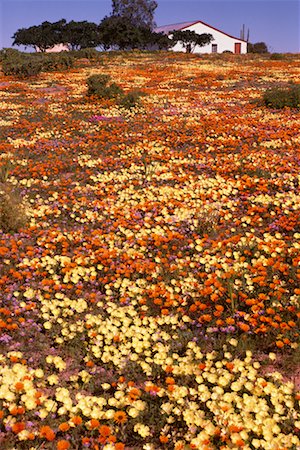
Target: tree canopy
{"type": "Point", "coordinates": [114, 32]}
{"type": "Point", "coordinates": [119, 32]}
{"type": "Point", "coordinates": [40, 37]}
{"type": "Point", "coordinates": [138, 12]}
{"type": "Point", "coordinates": [81, 35]}
{"type": "Point", "coordinates": [190, 39]}
{"type": "Point", "coordinates": [258, 47]}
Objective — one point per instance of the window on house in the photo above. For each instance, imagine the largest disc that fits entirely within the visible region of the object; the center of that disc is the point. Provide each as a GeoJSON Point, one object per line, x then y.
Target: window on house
{"type": "Point", "coordinates": [214, 48]}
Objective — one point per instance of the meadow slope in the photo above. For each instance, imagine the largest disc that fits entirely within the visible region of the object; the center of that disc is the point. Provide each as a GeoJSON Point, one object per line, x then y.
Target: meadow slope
{"type": "Point", "coordinates": [151, 300]}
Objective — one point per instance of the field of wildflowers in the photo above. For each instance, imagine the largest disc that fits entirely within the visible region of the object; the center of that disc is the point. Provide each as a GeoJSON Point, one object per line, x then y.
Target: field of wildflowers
{"type": "Point", "coordinates": [150, 258]}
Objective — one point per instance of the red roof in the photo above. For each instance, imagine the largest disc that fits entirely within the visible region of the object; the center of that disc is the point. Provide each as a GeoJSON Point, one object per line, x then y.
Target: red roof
{"type": "Point", "coordinates": [183, 25]}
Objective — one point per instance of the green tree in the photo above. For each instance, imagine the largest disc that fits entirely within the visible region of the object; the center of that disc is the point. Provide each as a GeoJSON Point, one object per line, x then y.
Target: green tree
{"type": "Point", "coordinates": [40, 37]}
{"type": "Point", "coordinates": [190, 39]}
{"type": "Point", "coordinates": [80, 35]}
{"type": "Point", "coordinates": [258, 47]}
{"type": "Point", "coordinates": [138, 12]}
{"type": "Point", "coordinates": [118, 32]}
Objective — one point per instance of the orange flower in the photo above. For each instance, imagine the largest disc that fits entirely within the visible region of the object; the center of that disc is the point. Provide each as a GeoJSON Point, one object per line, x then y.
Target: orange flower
{"type": "Point", "coordinates": [19, 386]}
{"type": "Point", "coordinates": [134, 393]}
{"type": "Point", "coordinates": [17, 427]}
{"type": "Point", "coordinates": [120, 417]}
{"type": "Point", "coordinates": [47, 432]}
{"type": "Point", "coordinates": [77, 420]}
{"type": "Point", "coordinates": [31, 437]}
{"type": "Point", "coordinates": [63, 445]}
{"type": "Point", "coordinates": [14, 411]}
{"type": "Point", "coordinates": [90, 364]}
{"type": "Point", "coordinates": [243, 326]}
{"type": "Point", "coordinates": [119, 446]}
{"type": "Point", "coordinates": [64, 426]}
{"type": "Point", "coordinates": [163, 439]}
{"type": "Point", "coordinates": [229, 365]}
{"type": "Point", "coordinates": [94, 423]}
{"type": "Point", "coordinates": [104, 430]}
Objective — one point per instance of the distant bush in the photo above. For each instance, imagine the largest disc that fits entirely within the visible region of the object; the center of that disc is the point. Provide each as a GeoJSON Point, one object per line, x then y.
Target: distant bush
{"type": "Point", "coordinates": [131, 99]}
{"type": "Point", "coordinates": [278, 98]}
{"type": "Point", "coordinates": [88, 53]}
{"type": "Point", "coordinates": [12, 211]}
{"type": "Point", "coordinates": [258, 47]}
{"type": "Point", "coordinates": [8, 52]}
{"type": "Point", "coordinates": [52, 62]}
{"type": "Point", "coordinates": [277, 56]}
{"type": "Point", "coordinates": [98, 86]}
{"type": "Point", "coordinates": [23, 65]}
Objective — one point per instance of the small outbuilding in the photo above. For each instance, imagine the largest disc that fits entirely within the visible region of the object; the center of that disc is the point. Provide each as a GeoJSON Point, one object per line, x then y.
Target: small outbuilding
{"type": "Point", "coordinates": [222, 42]}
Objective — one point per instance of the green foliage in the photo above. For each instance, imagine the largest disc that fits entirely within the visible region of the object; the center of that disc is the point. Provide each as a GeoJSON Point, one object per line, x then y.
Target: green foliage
{"type": "Point", "coordinates": [21, 66]}
{"type": "Point", "coordinates": [131, 99]}
{"type": "Point", "coordinates": [120, 33]}
{"type": "Point", "coordinates": [42, 36]}
{"type": "Point", "coordinates": [98, 86]}
{"type": "Point", "coordinates": [12, 211]}
{"type": "Point", "coordinates": [258, 47]}
{"type": "Point", "coordinates": [138, 12]}
{"type": "Point", "coordinates": [277, 56]}
{"type": "Point", "coordinates": [24, 65]}
{"type": "Point", "coordinates": [9, 52]}
{"type": "Point", "coordinates": [5, 167]}
{"type": "Point", "coordinates": [278, 98]}
{"type": "Point", "coordinates": [88, 53]}
{"type": "Point", "coordinates": [81, 35]}
{"type": "Point", "coordinates": [55, 61]}
{"type": "Point", "coordinates": [77, 35]}
{"type": "Point", "coordinates": [190, 39]}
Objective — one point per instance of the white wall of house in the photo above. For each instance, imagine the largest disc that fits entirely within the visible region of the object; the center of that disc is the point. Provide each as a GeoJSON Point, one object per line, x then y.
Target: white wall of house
{"type": "Point", "coordinates": [58, 48]}
{"type": "Point", "coordinates": [221, 42]}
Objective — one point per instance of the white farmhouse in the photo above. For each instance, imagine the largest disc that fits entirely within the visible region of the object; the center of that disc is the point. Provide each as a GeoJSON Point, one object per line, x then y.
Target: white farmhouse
{"type": "Point", "coordinates": [222, 41]}
{"type": "Point", "coordinates": [56, 48]}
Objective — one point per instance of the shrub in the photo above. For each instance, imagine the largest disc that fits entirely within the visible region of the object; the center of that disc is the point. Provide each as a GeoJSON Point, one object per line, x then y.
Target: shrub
{"type": "Point", "coordinates": [9, 52]}
{"type": "Point", "coordinates": [5, 167]}
{"type": "Point", "coordinates": [277, 56]}
{"type": "Point", "coordinates": [88, 53]}
{"type": "Point", "coordinates": [98, 86]}
{"type": "Point", "coordinates": [55, 61]}
{"type": "Point", "coordinates": [131, 99]}
{"type": "Point", "coordinates": [278, 98]}
{"type": "Point", "coordinates": [21, 66]}
{"type": "Point", "coordinates": [258, 47]}
{"type": "Point", "coordinates": [24, 65]}
{"type": "Point", "coordinates": [12, 210]}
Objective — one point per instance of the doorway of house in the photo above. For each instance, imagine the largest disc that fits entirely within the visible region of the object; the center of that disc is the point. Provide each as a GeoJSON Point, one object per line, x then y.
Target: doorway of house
{"type": "Point", "coordinates": [237, 47]}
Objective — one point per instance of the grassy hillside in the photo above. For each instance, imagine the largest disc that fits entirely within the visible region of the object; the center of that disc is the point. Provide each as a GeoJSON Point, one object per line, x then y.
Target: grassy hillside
{"type": "Point", "coordinates": [150, 257]}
